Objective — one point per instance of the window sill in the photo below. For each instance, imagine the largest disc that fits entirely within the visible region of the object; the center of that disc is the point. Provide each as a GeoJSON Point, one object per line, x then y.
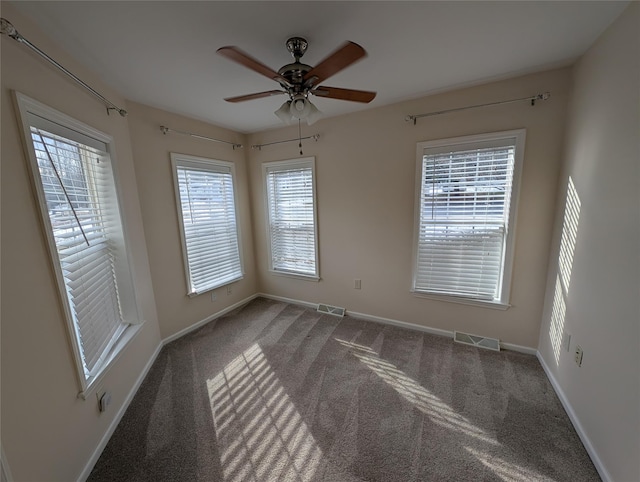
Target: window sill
{"type": "Point", "coordinates": [494, 305]}
{"type": "Point", "coordinates": [290, 274]}
{"type": "Point", "coordinates": [126, 338]}
{"type": "Point", "coordinates": [215, 287]}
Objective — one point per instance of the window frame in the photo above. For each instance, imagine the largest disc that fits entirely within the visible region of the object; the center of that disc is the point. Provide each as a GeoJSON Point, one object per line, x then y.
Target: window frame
{"type": "Point", "coordinates": [286, 165]}
{"type": "Point", "coordinates": [77, 131]}
{"type": "Point", "coordinates": [209, 165]}
{"type": "Point", "coordinates": [502, 302]}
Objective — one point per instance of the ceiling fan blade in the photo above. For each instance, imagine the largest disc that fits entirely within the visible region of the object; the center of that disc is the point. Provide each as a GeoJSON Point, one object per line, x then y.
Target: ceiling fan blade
{"type": "Point", "coordinates": [349, 53]}
{"type": "Point", "coordinates": [242, 58]}
{"type": "Point", "coordinates": [257, 95]}
{"type": "Point", "coordinates": [364, 96]}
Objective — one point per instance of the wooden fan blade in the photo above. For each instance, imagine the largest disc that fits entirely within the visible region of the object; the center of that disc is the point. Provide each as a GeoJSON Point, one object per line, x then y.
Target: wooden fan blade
{"type": "Point", "coordinates": [364, 96]}
{"type": "Point", "coordinates": [334, 63]}
{"type": "Point", "coordinates": [242, 58]}
{"type": "Point", "coordinates": [257, 95]}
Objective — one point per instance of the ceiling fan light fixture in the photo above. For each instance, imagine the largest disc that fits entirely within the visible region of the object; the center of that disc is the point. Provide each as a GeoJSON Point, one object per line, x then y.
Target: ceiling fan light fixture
{"type": "Point", "coordinates": [284, 112]}
{"type": "Point", "coordinates": [300, 107]}
{"type": "Point", "coordinates": [314, 114]}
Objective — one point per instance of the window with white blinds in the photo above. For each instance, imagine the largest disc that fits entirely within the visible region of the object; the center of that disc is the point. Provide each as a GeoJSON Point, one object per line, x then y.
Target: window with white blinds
{"type": "Point", "coordinates": [74, 180]}
{"type": "Point", "coordinates": [465, 216]}
{"type": "Point", "coordinates": [208, 223]}
{"type": "Point", "coordinates": [291, 214]}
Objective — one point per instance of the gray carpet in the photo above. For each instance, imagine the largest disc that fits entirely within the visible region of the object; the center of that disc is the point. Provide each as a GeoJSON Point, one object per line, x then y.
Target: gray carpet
{"type": "Point", "coordinates": [278, 392]}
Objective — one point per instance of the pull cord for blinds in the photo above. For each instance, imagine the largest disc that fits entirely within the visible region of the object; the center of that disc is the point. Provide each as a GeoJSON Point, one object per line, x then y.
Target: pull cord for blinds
{"type": "Point", "coordinates": [6, 28]}
{"type": "Point", "coordinates": [532, 99]}
{"type": "Point", "coordinates": [64, 189]}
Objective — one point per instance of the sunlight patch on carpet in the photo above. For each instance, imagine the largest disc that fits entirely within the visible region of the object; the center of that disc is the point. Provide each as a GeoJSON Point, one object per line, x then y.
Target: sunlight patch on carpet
{"type": "Point", "coordinates": [506, 470]}
{"type": "Point", "coordinates": [438, 411]}
{"type": "Point", "coordinates": [260, 433]}
{"type": "Point", "coordinates": [441, 414]}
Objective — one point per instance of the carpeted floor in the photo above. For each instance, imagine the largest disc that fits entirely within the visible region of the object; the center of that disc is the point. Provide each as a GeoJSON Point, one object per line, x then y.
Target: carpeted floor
{"type": "Point", "coordinates": [278, 392]}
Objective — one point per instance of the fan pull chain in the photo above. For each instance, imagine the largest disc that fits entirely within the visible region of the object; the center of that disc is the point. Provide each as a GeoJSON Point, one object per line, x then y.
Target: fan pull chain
{"type": "Point", "coordinates": [300, 137]}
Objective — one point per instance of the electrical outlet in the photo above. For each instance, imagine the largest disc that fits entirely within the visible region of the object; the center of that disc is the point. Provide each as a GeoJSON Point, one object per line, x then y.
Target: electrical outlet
{"type": "Point", "coordinates": [213, 296]}
{"type": "Point", "coordinates": [578, 355]}
{"type": "Point", "coordinates": [357, 284]}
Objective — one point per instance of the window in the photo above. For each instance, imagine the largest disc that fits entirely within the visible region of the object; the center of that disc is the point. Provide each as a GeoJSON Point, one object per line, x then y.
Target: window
{"type": "Point", "coordinates": [465, 211]}
{"type": "Point", "coordinates": [291, 213]}
{"type": "Point", "coordinates": [73, 174]}
{"type": "Point", "coordinates": [207, 210]}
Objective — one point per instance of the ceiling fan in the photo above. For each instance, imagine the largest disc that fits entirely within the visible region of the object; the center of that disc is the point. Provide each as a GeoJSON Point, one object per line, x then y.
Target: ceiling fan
{"type": "Point", "coordinates": [299, 80]}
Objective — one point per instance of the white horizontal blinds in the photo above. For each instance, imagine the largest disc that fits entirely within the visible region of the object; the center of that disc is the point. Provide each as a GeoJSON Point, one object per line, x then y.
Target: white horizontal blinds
{"type": "Point", "coordinates": [464, 215]}
{"type": "Point", "coordinates": [77, 181]}
{"type": "Point", "coordinates": [209, 224]}
{"type": "Point", "coordinates": [292, 219]}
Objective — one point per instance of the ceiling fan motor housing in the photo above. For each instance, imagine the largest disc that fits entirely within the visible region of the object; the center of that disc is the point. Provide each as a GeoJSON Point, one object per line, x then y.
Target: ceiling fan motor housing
{"type": "Point", "coordinates": [295, 71]}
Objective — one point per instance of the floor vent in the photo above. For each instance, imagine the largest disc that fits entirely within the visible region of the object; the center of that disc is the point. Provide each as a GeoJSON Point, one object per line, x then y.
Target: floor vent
{"type": "Point", "coordinates": [475, 340]}
{"type": "Point", "coordinates": [331, 310]}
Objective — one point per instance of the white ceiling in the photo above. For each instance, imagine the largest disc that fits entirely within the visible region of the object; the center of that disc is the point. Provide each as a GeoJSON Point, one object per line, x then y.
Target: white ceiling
{"type": "Point", "coordinates": [163, 53]}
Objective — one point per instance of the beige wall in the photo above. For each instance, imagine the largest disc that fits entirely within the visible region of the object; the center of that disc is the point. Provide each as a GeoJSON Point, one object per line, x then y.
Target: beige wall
{"type": "Point", "coordinates": [47, 432]}
{"type": "Point", "coordinates": [602, 304]}
{"type": "Point", "coordinates": [152, 148]}
{"type": "Point", "coordinates": [366, 168]}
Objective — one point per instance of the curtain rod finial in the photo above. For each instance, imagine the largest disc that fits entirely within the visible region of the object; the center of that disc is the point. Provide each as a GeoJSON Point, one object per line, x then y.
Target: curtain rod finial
{"type": "Point", "coordinates": [7, 28]}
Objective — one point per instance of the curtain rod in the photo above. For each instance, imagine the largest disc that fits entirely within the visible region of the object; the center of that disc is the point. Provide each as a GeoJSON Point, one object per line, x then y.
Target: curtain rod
{"type": "Point", "coordinates": [234, 145]}
{"type": "Point", "coordinates": [8, 29]}
{"type": "Point", "coordinates": [531, 99]}
{"type": "Point", "coordinates": [315, 137]}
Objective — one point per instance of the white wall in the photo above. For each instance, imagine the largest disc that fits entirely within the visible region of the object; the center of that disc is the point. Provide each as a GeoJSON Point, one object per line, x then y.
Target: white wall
{"type": "Point", "coordinates": [48, 434]}
{"type": "Point", "coordinates": [602, 159]}
{"type": "Point", "coordinates": [366, 175]}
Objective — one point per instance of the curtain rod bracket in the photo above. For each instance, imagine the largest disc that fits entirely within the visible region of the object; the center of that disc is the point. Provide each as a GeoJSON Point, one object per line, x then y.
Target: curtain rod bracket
{"type": "Point", "coordinates": [122, 112]}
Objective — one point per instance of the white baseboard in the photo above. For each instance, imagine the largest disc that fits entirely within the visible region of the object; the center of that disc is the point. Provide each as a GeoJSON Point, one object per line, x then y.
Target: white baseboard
{"type": "Point", "coordinates": [604, 473]}
{"type": "Point", "coordinates": [306, 304]}
{"type": "Point", "coordinates": [401, 324]}
{"type": "Point", "coordinates": [116, 420]}
{"type": "Point", "coordinates": [200, 323]}
{"type": "Point", "coordinates": [519, 348]}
